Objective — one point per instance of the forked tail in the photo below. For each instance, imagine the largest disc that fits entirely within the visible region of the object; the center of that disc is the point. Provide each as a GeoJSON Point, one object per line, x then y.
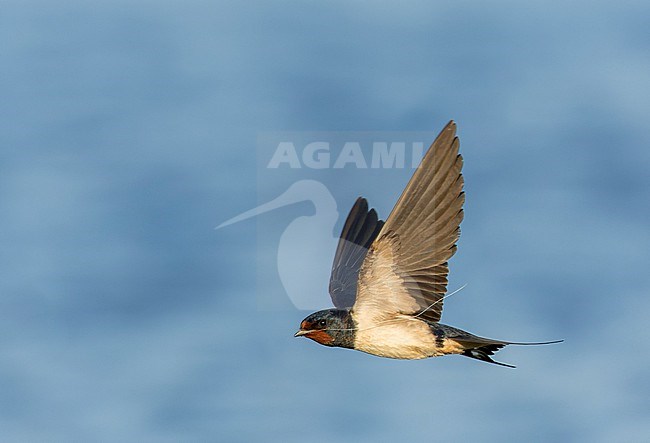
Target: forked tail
{"type": "Point", "coordinates": [484, 352]}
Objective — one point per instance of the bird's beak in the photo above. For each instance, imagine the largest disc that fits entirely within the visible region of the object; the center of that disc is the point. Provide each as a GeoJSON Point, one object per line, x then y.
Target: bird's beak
{"type": "Point", "coordinates": [301, 332]}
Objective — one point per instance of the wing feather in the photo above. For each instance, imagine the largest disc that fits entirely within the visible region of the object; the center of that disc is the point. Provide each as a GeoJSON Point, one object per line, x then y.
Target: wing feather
{"type": "Point", "coordinates": [360, 229]}
{"type": "Point", "coordinates": [405, 271]}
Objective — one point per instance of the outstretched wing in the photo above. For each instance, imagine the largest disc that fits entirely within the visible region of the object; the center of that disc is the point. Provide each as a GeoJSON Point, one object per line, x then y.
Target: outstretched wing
{"type": "Point", "coordinates": [405, 271]}
{"type": "Point", "coordinates": [359, 231]}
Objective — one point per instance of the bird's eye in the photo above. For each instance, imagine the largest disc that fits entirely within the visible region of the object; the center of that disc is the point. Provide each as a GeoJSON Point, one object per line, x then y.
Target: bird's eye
{"type": "Point", "coordinates": [322, 323]}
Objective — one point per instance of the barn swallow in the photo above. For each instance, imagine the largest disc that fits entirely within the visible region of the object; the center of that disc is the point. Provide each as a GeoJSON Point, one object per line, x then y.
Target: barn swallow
{"type": "Point", "coordinates": [389, 279]}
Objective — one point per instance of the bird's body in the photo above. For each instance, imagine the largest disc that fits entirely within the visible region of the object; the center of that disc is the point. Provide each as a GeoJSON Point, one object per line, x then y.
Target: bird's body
{"type": "Point", "coordinates": [389, 279]}
{"type": "Point", "coordinates": [400, 337]}
{"type": "Point", "coordinates": [412, 339]}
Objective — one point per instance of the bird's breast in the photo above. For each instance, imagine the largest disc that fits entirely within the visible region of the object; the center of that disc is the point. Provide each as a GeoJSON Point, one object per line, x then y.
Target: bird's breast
{"type": "Point", "coordinates": [401, 337]}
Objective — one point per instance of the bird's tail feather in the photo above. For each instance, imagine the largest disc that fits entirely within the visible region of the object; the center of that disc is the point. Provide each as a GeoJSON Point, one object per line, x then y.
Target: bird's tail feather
{"type": "Point", "coordinates": [485, 352]}
{"type": "Point", "coordinates": [532, 343]}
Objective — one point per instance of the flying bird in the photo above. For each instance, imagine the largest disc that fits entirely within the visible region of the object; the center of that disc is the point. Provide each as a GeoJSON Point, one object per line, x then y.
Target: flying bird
{"type": "Point", "coordinates": [389, 279]}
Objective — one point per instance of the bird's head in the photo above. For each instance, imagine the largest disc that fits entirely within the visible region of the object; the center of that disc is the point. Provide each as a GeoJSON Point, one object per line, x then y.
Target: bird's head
{"type": "Point", "coordinates": [331, 327]}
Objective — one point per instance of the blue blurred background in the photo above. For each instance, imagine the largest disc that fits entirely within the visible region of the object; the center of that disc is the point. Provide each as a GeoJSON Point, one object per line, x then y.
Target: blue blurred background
{"type": "Point", "coordinates": [128, 132]}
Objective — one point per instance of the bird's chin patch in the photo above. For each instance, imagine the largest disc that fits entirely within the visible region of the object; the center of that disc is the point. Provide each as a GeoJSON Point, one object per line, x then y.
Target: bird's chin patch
{"type": "Point", "coordinates": [321, 337]}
